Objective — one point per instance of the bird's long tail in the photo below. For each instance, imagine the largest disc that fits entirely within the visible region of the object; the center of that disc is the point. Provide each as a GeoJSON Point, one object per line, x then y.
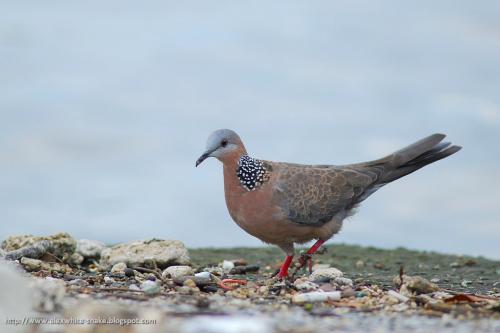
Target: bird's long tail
{"type": "Point", "coordinates": [416, 156]}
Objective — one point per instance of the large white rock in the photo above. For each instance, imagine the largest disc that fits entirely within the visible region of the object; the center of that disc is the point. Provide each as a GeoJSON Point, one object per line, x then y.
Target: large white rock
{"type": "Point", "coordinates": [164, 252]}
{"type": "Point", "coordinates": [89, 248]}
{"type": "Point", "coordinates": [325, 274]}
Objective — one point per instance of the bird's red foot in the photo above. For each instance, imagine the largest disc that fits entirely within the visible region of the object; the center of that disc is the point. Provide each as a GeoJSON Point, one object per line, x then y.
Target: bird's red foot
{"type": "Point", "coordinates": [283, 272]}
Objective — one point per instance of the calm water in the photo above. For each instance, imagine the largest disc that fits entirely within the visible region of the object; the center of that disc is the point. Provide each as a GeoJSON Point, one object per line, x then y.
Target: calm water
{"type": "Point", "coordinates": [105, 108]}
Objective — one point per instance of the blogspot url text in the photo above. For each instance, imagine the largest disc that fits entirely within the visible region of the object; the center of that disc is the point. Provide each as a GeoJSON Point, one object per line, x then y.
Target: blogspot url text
{"type": "Point", "coordinates": [78, 321]}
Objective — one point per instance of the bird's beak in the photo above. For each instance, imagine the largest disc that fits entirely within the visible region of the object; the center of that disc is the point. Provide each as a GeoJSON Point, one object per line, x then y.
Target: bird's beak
{"type": "Point", "coordinates": [203, 157]}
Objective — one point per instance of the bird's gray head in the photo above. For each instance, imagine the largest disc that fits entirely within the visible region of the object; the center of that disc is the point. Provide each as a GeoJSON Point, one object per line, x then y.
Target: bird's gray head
{"type": "Point", "coordinates": [221, 144]}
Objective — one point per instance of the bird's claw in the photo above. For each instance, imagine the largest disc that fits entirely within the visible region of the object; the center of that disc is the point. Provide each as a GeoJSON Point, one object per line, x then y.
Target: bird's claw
{"type": "Point", "coordinates": [304, 259]}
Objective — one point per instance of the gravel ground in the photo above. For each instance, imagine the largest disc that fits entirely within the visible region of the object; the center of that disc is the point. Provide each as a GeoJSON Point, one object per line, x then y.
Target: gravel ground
{"type": "Point", "coordinates": [351, 289]}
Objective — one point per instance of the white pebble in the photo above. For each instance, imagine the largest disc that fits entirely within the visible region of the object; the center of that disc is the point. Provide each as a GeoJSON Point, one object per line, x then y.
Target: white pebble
{"type": "Point", "coordinates": [108, 280]}
{"type": "Point", "coordinates": [177, 271]}
{"type": "Point", "coordinates": [204, 275]}
{"type": "Point", "coordinates": [316, 296]}
{"type": "Point", "coordinates": [398, 296]}
{"type": "Point", "coordinates": [227, 265]}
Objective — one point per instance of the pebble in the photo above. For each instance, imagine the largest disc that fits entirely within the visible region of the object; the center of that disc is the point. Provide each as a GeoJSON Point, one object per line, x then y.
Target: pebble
{"type": "Point", "coordinates": [227, 265]}
{"type": "Point", "coordinates": [108, 280]}
{"type": "Point", "coordinates": [37, 265]}
{"type": "Point", "coordinates": [398, 296]}
{"type": "Point", "coordinates": [414, 285]}
{"type": "Point", "coordinates": [189, 283]}
{"type": "Point", "coordinates": [185, 290]}
{"type": "Point", "coordinates": [150, 287]}
{"type": "Point", "coordinates": [129, 272]}
{"type": "Point", "coordinates": [210, 289]}
{"type": "Point", "coordinates": [177, 271]}
{"type": "Point", "coordinates": [119, 268]}
{"type": "Point", "coordinates": [303, 284]}
{"type": "Point", "coordinates": [342, 281]}
{"type": "Point", "coordinates": [316, 296]}
{"type": "Point", "coordinates": [244, 269]}
{"type": "Point", "coordinates": [134, 287]}
{"type": "Point", "coordinates": [435, 280]}
{"type": "Point", "coordinates": [325, 274]}
{"type": "Point", "coordinates": [203, 275]}
{"type": "Point", "coordinates": [200, 281]}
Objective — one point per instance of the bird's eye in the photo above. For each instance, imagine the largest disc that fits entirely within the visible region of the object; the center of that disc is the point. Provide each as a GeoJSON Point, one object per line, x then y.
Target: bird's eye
{"type": "Point", "coordinates": [223, 143]}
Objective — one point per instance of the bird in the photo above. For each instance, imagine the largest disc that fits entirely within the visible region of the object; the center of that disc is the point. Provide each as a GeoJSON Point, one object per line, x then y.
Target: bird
{"type": "Point", "coordinates": [286, 203]}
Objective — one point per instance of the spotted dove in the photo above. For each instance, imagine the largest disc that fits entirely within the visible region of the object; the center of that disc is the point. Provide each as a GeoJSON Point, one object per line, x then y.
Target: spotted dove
{"type": "Point", "coordinates": [285, 203]}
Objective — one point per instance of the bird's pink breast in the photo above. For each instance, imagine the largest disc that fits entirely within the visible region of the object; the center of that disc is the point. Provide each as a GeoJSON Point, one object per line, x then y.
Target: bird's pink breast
{"type": "Point", "coordinates": [257, 213]}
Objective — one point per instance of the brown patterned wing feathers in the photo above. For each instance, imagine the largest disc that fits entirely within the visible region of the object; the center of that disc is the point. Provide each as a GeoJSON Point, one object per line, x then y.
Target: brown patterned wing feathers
{"type": "Point", "coordinates": [312, 195]}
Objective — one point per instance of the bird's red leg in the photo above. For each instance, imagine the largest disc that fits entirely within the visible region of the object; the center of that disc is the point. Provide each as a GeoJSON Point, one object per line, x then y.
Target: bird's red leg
{"type": "Point", "coordinates": [315, 247]}
{"type": "Point", "coordinates": [283, 273]}
{"type": "Point", "coordinates": [306, 257]}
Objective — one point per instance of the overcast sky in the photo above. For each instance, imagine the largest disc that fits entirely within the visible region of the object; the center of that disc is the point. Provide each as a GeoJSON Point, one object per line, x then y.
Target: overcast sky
{"type": "Point", "coordinates": [104, 108]}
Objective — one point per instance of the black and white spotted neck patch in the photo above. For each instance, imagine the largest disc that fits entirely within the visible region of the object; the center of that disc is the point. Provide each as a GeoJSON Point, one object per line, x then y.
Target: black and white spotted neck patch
{"type": "Point", "coordinates": [251, 172]}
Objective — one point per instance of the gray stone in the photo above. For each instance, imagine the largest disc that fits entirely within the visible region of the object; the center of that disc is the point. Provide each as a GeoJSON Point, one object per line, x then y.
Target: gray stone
{"type": "Point", "coordinates": [36, 250]}
{"type": "Point", "coordinates": [150, 287]}
{"type": "Point", "coordinates": [163, 252]}
{"type": "Point", "coordinates": [61, 244]}
{"type": "Point", "coordinates": [89, 248]}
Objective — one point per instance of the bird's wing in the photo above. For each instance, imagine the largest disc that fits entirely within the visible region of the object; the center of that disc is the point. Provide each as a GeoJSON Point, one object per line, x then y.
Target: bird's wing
{"type": "Point", "coordinates": [312, 195]}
